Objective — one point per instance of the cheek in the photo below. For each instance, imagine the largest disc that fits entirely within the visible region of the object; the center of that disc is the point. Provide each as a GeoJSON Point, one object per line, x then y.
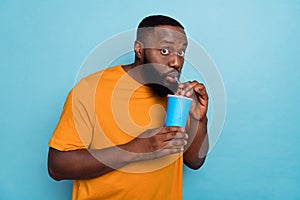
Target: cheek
{"type": "Point", "coordinates": [160, 70]}
{"type": "Point", "coordinates": [154, 56]}
{"type": "Point", "coordinates": [181, 62]}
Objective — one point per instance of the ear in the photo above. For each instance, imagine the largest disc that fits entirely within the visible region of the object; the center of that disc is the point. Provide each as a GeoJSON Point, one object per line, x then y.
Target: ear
{"type": "Point", "coordinates": [138, 49]}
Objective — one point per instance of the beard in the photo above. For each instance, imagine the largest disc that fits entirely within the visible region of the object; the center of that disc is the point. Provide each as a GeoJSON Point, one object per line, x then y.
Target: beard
{"type": "Point", "coordinates": [160, 90]}
{"type": "Point", "coordinates": [157, 82]}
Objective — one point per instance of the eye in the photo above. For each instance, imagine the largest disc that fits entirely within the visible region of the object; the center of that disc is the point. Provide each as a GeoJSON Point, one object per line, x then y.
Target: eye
{"type": "Point", "coordinates": [165, 51]}
{"type": "Point", "coordinates": [181, 53]}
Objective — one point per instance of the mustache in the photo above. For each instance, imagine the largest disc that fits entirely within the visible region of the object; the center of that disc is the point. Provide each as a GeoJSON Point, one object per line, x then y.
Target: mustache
{"type": "Point", "coordinates": [173, 73]}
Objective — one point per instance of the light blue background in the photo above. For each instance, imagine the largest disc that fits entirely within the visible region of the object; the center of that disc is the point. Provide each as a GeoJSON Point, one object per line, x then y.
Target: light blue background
{"type": "Point", "coordinates": [255, 45]}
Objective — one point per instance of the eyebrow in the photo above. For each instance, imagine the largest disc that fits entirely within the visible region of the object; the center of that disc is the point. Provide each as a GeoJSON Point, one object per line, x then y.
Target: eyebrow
{"type": "Point", "coordinates": [170, 42]}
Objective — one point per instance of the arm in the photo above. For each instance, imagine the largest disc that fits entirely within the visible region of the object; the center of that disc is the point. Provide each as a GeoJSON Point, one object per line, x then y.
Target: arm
{"type": "Point", "coordinates": [86, 164]}
{"type": "Point", "coordinates": [198, 144]}
{"type": "Point", "coordinates": [83, 164]}
{"type": "Point", "coordinates": [195, 154]}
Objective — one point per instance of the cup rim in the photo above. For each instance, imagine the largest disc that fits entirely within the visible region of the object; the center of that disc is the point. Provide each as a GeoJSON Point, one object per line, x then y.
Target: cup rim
{"type": "Point", "coordinates": [179, 96]}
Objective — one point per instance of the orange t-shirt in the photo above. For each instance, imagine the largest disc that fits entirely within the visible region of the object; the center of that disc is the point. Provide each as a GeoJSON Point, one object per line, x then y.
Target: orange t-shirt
{"type": "Point", "coordinates": [109, 108]}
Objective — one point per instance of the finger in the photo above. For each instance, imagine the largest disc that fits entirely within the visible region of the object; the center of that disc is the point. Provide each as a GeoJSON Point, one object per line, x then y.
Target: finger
{"type": "Point", "coordinates": [174, 129]}
{"type": "Point", "coordinates": [177, 136]}
{"type": "Point", "coordinates": [184, 87]}
{"type": "Point", "coordinates": [202, 95]}
{"type": "Point", "coordinates": [181, 135]}
{"type": "Point", "coordinates": [200, 89]}
{"type": "Point", "coordinates": [172, 135]}
{"type": "Point", "coordinates": [189, 92]}
{"type": "Point", "coordinates": [172, 132]}
{"type": "Point", "coordinates": [187, 88]}
{"type": "Point", "coordinates": [164, 152]}
{"type": "Point", "coordinates": [176, 143]}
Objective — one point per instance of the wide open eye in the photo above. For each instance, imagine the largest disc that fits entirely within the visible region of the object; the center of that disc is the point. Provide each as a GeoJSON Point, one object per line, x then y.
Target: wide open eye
{"type": "Point", "coordinates": [165, 51]}
{"type": "Point", "coordinates": [180, 53]}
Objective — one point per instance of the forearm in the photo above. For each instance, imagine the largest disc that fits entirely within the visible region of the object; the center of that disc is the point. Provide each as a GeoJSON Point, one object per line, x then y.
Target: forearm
{"type": "Point", "coordinates": [86, 164]}
{"type": "Point", "coordinates": [198, 144]}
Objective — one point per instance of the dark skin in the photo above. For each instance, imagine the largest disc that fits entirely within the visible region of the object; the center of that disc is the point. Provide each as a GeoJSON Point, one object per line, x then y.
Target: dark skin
{"type": "Point", "coordinates": [164, 56]}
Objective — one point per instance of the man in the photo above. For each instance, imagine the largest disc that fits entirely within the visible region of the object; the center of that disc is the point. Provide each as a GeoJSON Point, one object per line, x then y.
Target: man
{"type": "Point", "coordinates": [111, 137]}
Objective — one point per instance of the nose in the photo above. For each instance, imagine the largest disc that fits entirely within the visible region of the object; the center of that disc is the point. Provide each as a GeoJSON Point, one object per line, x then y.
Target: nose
{"type": "Point", "coordinates": [176, 62]}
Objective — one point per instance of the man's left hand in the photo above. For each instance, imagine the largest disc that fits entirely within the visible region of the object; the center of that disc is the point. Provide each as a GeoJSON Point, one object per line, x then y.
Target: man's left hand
{"type": "Point", "coordinates": [197, 92]}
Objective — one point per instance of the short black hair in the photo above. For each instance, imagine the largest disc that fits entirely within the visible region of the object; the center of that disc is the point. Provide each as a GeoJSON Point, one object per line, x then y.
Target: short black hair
{"type": "Point", "coordinates": [148, 24]}
{"type": "Point", "coordinates": [158, 20]}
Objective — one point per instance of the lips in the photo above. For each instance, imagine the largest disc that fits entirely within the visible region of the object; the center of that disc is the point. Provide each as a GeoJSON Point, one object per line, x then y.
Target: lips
{"type": "Point", "coordinates": [171, 77]}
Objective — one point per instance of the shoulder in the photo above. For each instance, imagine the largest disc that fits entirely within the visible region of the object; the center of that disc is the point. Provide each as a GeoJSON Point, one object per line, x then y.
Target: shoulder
{"type": "Point", "coordinates": [91, 81]}
{"type": "Point", "coordinates": [111, 72]}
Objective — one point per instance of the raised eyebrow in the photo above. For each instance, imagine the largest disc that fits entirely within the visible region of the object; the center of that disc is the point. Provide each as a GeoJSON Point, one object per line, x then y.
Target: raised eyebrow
{"type": "Point", "coordinates": [184, 45]}
{"type": "Point", "coordinates": [166, 42]}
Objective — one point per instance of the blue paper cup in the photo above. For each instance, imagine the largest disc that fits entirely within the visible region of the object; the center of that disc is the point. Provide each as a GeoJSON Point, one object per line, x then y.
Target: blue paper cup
{"type": "Point", "coordinates": [178, 108]}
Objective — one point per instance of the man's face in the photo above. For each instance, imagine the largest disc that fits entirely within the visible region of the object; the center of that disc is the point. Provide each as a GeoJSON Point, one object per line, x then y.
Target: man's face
{"type": "Point", "coordinates": [164, 50]}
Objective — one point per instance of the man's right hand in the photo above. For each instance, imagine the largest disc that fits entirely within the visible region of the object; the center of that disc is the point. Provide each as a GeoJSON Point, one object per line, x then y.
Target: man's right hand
{"type": "Point", "coordinates": [158, 142]}
{"type": "Point", "coordinates": [85, 164]}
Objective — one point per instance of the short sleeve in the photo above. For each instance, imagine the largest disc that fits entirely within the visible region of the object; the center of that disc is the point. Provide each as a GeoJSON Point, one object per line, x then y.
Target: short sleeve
{"type": "Point", "coordinates": [75, 127]}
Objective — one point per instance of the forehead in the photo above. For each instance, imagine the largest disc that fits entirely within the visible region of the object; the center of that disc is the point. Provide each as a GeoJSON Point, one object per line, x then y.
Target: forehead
{"type": "Point", "coordinates": [167, 34]}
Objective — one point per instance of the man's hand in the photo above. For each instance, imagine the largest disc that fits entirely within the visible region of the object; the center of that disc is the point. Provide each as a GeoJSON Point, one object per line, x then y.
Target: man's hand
{"type": "Point", "coordinates": [197, 92]}
{"type": "Point", "coordinates": [85, 164]}
{"type": "Point", "coordinates": [159, 142]}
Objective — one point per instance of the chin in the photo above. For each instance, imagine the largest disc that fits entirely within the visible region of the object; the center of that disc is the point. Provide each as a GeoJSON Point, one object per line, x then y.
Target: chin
{"type": "Point", "coordinates": [162, 90]}
{"type": "Point", "coordinates": [171, 86]}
